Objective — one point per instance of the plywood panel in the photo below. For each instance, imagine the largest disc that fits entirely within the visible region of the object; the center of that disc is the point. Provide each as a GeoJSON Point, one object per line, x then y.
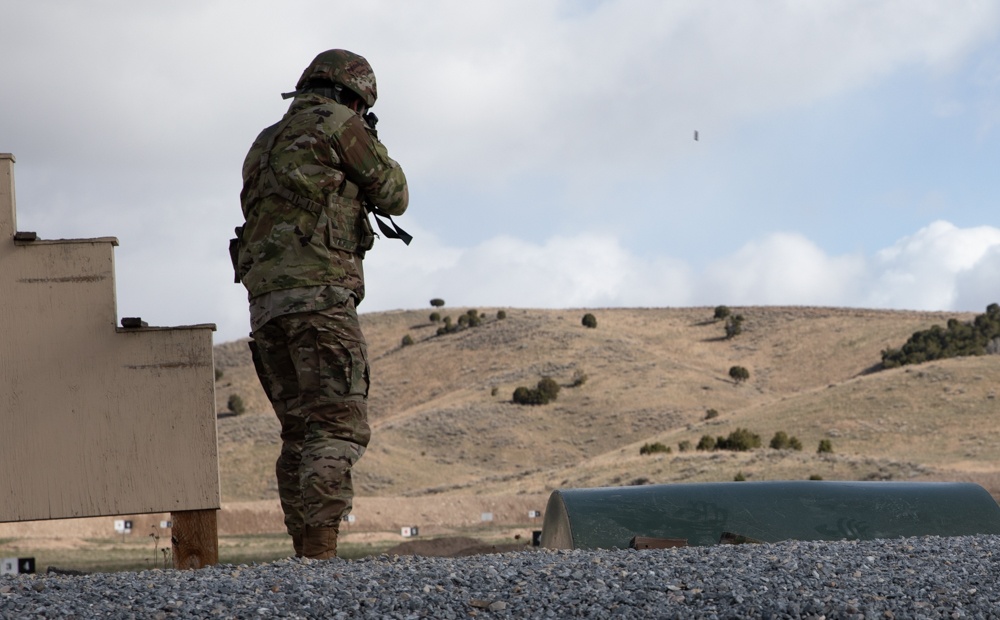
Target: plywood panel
{"type": "Point", "coordinates": [94, 419]}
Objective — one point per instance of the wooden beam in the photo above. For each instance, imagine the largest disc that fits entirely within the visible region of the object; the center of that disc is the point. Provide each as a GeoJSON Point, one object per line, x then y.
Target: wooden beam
{"type": "Point", "coordinates": [195, 538]}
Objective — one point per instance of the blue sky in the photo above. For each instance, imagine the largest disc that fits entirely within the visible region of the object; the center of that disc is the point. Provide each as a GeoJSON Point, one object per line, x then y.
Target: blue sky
{"type": "Point", "coordinates": [847, 149]}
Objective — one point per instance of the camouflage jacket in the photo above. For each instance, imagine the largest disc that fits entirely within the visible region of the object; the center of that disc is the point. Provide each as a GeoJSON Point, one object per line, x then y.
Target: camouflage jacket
{"type": "Point", "coordinates": [304, 199]}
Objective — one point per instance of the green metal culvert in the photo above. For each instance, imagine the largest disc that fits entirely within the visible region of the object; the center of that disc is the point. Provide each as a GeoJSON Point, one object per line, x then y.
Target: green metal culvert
{"type": "Point", "coordinates": [609, 518]}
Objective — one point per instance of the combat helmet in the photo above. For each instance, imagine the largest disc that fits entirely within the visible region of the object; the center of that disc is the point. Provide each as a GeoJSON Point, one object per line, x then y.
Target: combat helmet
{"type": "Point", "coordinates": [345, 68]}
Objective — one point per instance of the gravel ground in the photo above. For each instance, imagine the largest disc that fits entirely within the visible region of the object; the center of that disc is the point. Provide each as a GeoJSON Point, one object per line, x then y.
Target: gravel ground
{"type": "Point", "coordinates": [904, 578]}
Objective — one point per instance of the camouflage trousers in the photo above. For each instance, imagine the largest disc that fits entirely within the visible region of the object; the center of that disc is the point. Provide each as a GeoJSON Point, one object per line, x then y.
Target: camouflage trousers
{"type": "Point", "coordinates": [314, 368]}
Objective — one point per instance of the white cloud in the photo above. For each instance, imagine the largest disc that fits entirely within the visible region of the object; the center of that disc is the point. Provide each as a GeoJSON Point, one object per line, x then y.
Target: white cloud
{"type": "Point", "coordinates": [938, 268]}
{"type": "Point", "coordinates": [625, 84]}
{"type": "Point", "coordinates": [585, 270]}
{"type": "Point", "coordinates": [783, 268]}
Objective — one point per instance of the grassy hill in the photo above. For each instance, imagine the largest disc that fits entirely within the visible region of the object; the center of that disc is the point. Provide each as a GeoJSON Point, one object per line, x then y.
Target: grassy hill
{"type": "Point", "coordinates": [443, 420]}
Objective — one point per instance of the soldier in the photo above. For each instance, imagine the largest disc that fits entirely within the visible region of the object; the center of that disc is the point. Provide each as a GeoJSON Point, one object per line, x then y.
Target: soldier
{"type": "Point", "coordinates": [308, 184]}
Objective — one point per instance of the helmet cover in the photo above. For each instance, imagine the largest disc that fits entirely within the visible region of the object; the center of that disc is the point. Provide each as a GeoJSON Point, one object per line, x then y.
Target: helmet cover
{"type": "Point", "coordinates": [345, 68]}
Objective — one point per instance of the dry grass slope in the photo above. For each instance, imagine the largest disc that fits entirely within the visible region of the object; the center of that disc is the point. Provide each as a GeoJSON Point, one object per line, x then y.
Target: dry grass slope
{"type": "Point", "coordinates": [444, 422]}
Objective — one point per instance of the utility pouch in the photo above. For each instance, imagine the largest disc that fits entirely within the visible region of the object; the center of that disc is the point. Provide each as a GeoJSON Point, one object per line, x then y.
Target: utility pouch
{"type": "Point", "coordinates": [234, 254]}
{"type": "Point", "coordinates": [366, 238]}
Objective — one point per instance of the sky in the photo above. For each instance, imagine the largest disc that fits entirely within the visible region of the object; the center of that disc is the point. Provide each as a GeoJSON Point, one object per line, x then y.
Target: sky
{"type": "Point", "coordinates": [846, 156]}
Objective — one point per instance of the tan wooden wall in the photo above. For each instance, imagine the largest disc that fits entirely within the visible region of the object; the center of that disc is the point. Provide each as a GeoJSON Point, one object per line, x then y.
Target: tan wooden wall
{"type": "Point", "coordinates": [95, 419]}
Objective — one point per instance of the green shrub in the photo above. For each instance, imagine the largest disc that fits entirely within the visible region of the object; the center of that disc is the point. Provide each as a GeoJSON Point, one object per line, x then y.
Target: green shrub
{"type": "Point", "coordinates": [473, 318]}
{"type": "Point", "coordinates": [815, 477]}
{"type": "Point", "coordinates": [548, 388]}
{"type": "Point", "coordinates": [739, 477]}
{"type": "Point", "coordinates": [734, 326]}
{"type": "Point", "coordinates": [957, 339]}
{"type": "Point", "coordinates": [794, 443]}
{"type": "Point", "coordinates": [435, 317]}
{"type": "Point", "coordinates": [779, 441]}
{"type": "Point", "coordinates": [407, 340]}
{"type": "Point", "coordinates": [589, 320]}
{"type": "Point", "coordinates": [525, 396]}
{"type": "Point", "coordinates": [721, 312]}
{"type": "Point", "coordinates": [235, 404]}
{"type": "Point", "coordinates": [739, 374]}
{"type": "Point", "coordinates": [706, 443]}
{"type": "Point", "coordinates": [653, 448]}
{"type": "Point", "coordinates": [501, 314]}
{"type": "Point", "coordinates": [711, 413]}
{"type": "Point", "coordinates": [825, 447]}
{"type": "Point", "coordinates": [683, 445]}
{"type": "Point", "coordinates": [740, 440]}
{"type": "Point", "coordinates": [437, 303]}
{"type": "Point", "coordinates": [579, 378]}
{"type": "Point", "coordinates": [218, 373]}
{"type": "Point", "coordinates": [546, 391]}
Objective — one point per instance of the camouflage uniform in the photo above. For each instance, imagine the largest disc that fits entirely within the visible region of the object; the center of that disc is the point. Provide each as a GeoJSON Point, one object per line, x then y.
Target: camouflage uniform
{"type": "Point", "coordinates": [307, 180]}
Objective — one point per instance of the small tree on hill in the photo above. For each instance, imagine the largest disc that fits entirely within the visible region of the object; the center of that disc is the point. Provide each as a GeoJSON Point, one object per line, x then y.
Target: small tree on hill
{"type": "Point", "coordinates": [734, 326]}
{"type": "Point", "coordinates": [739, 374]}
{"type": "Point", "coordinates": [589, 320]}
{"type": "Point", "coordinates": [721, 312]}
{"type": "Point", "coordinates": [437, 303]}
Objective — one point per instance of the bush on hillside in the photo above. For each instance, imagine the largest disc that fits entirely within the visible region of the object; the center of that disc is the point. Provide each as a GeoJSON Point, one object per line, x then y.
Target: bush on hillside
{"type": "Point", "coordinates": [739, 374]}
{"type": "Point", "coordinates": [825, 447]}
{"type": "Point", "coordinates": [589, 320]}
{"type": "Point", "coordinates": [957, 339]}
{"type": "Point", "coordinates": [781, 441]}
{"type": "Point", "coordinates": [407, 340]}
{"type": "Point", "coordinates": [734, 326]}
{"type": "Point", "coordinates": [437, 303]}
{"type": "Point", "coordinates": [706, 443]}
{"type": "Point", "coordinates": [740, 440]}
{"type": "Point", "coordinates": [653, 448]}
{"type": "Point", "coordinates": [235, 404]}
{"type": "Point", "coordinates": [721, 312]}
{"type": "Point", "coordinates": [543, 393]}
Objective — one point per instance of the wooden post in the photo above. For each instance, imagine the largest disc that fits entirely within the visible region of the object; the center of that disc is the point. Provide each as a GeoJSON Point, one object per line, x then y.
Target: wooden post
{"type": "Point", "coordinates": [195, 538]}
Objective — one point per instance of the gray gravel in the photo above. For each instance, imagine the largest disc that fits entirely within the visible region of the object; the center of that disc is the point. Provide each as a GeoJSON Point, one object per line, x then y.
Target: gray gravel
{"type": "Point", "coordinates": [905, 578]}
